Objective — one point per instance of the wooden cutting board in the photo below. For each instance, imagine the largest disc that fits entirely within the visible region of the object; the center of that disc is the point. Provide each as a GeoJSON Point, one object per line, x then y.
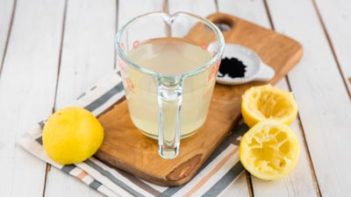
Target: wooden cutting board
{"type": "Point", "coordinates": [126, 148]}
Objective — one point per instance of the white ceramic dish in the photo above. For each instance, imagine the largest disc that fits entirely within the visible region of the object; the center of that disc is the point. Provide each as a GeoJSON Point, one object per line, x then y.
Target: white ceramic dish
{"type": "Point", "coordinates": [256, 69]}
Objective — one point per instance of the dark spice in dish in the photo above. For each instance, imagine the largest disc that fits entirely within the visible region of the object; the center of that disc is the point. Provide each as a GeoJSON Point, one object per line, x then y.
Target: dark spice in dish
{"type": "Point", "coordinates": [232, 67]}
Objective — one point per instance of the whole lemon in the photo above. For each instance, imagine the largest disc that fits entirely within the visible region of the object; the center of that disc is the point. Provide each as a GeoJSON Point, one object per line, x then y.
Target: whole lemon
{"type": "Point", "coordinates": [72, 135]}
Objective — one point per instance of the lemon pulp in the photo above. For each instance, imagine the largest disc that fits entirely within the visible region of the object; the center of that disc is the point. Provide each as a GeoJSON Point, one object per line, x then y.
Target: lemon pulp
{"type": "Point", "coordinates": [267, 102]}
{"type": "Point", "coordinates": [269, 150]}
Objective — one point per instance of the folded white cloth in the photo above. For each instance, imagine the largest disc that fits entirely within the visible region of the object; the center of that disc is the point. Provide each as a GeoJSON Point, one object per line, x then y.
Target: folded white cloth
{"type": "Point", "coordinates": [218, 172]}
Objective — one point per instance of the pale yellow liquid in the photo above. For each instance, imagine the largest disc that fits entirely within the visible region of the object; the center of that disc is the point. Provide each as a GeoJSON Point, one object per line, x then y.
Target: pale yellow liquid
{"type": "Point", "coordinates": [169, 56]}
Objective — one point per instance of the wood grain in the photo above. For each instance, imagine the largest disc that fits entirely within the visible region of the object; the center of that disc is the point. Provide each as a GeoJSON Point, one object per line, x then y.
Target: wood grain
{"type": "Point", "coordinates": [326, 120]}
{"type": "Point", "coordinates": [337, 19]}
{"type": "Point", "coordinates": [240, 187]}
{"type": "Point", "coordinates": [292, 185]}
{"type": "Point", "coordinates": [27, 91]}
{"type": "Point", "coordinates": [125, 147]}
{"type": "Point", "coordinates": [6, 13]}
{"type": "Point", "coordinates": [325, 109]}
{"type": "Point", "coordinates": [87, 55]}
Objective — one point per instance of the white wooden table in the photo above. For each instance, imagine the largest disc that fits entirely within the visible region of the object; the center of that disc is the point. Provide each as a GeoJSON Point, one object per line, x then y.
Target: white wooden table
{"type": "Point", "coordinates": [52, 50]}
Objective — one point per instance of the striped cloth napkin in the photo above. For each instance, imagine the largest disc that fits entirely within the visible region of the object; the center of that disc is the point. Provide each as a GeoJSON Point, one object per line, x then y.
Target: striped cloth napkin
{"type": "Point", "coordinates": [217, 173]}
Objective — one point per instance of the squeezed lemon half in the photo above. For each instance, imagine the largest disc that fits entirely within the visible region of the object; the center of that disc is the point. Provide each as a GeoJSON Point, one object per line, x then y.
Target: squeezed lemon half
{"type": "Point", "coordinates": [267, 102]}
{"type": "Point", "coordinates": [269, 150]}
{"type": "Point", "coordinates": [72, 135]}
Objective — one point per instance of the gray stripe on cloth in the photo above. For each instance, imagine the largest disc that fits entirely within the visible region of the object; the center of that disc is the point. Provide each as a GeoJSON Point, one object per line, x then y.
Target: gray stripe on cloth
{"type": "Point", "coordinates": [170, 191]}
{"type": "Point", "coordinates": [223, 183]}
{"type": "Point", "coordinates": [105, 97]}
{"type": "Point", "coordinates": [68, 168]}
{"type": "Point", "coordinates": [39, 140]}
{"type": "Point", "coordinates": [92, 106]}
{"type": "Point", "coordinates": [139, 183]}
{"type": "Point", "coordinates": [41, 124]}
{"type": "Point", "coordinates": [238, 132]}
{"type": "Point", "coordinates": [231, 139]}
{"type": "Point", "coordinates": [82, 95]}
{"type": "Point", "coordinates": [95, 184]}
{"type": "Point", "coordinates": [112, 178]}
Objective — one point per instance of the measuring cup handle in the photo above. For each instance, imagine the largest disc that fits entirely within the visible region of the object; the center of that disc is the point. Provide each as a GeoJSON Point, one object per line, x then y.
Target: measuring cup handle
{"type": "Point", "coordinates": [169, 127]}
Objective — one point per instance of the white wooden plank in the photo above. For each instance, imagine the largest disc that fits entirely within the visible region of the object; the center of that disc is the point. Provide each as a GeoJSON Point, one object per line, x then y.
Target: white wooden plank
{"type": "Point", "coordinates": [200, 7]}
{"type": "Point", "coordinates": [87, 56]}
{"type": "Point", "coordinates": [292, 185]}
{"type": "Point", "coordinates": [325, 108]}
{"type": "Point", "coordinates": [337, 18]}
{"type": "Point", "coordinates": [88, 47]}
{"type": "Point", "coordinates": [6, 9]}
{"type": "Point", "coordinates": [252, 11]}
{"type": "Point", "coordinates": [129, 9]}
{"type": "Point", "coordinates": [205, 8]}
{"type": "Point", "coordinates": [27, 91]}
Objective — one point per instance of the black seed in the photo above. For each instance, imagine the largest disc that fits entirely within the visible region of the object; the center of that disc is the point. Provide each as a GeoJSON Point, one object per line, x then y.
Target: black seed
{"type": "Point", "coordinates": [232, 67]}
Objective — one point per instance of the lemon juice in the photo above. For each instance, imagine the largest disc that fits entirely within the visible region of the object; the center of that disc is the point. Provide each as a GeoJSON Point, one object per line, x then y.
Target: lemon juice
{"type": "Point", "coordinates": [172, 57]}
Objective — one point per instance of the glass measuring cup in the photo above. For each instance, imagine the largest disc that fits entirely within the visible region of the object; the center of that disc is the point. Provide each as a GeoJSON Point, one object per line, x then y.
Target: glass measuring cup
{"type": "Point", "coordinates": [167, 105]}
